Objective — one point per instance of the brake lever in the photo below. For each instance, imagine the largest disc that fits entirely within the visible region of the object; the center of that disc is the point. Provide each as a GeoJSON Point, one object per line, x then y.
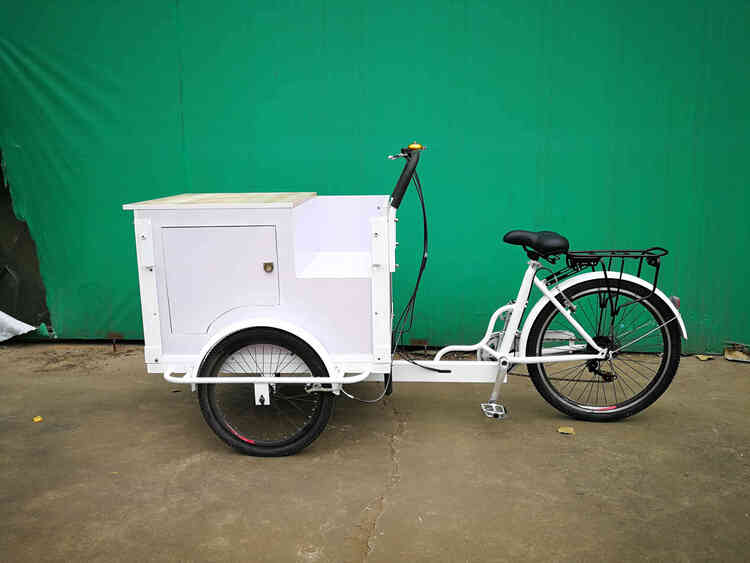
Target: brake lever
{"type": "Point", "coordinates": [395, 156]}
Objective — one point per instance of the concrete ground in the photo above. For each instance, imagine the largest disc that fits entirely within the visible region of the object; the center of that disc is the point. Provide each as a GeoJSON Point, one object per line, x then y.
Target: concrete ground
{"type": "Point", "coordinates": [123, 468]}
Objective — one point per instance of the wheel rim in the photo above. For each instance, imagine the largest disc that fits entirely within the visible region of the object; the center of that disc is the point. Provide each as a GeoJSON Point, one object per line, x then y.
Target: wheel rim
{"type": "Point", "coordinates": [638, 332]}
{"type": "Point", "coordinates": [292, 410]}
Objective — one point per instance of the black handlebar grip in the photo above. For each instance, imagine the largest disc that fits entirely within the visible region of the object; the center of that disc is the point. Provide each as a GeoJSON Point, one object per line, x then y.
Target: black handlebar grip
{"type": "Point", "coordinates": [412, 158]}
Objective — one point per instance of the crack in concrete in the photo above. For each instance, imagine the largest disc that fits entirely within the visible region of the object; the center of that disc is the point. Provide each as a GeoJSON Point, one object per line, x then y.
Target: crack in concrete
{"type": "Point", "coordinates": [379, 503]}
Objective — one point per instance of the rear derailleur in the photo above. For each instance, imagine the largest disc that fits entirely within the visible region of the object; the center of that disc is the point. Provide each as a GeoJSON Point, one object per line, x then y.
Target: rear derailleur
{"type": "Point", "coordinates": [595, 366]}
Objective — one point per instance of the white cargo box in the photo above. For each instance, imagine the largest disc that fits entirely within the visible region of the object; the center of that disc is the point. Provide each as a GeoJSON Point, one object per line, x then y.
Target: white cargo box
{"type": "Point", "coordinates": [317, 266]}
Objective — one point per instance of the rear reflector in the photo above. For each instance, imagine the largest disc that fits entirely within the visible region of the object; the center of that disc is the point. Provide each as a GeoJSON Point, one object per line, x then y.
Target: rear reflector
{"type": "Point", "coordinates": [675, 301]}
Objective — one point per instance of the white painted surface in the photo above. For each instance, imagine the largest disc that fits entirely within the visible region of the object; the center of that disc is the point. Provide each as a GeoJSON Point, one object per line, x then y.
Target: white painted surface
{"type": "Point", "coordinates": [332, 235]}
{"type": "Point", "coordinates": [144, 238]}
{"type": "Point", "coordinates": [232, 328]}
{"type": "Point", "coordinates": [211, 270]}
{"type": "Point", "coordinates": [451, 372]}
{"type": "Point", "coordinates": [194, 287]}
{"type": "Point", "coordinates": [392, 237]}
{"type": "Point", "coordinates": [336, 265]}
{"type": "Point", "coordinates": [381, 288]}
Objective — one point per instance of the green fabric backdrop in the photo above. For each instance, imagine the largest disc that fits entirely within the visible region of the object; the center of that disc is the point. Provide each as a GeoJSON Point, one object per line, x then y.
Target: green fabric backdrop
{"type": "Point", "coordinates": [620, 124]}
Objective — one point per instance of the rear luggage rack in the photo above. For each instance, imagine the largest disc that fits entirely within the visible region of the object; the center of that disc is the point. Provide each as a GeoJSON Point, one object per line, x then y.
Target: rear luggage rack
{"type": "Point", "coordinates": [577, 260]}
{"type": "Point", "coordinates": [587, 258]}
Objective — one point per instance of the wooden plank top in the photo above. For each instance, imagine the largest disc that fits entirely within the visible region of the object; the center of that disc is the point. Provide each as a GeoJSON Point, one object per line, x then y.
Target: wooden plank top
{"type": "Point", "coordinates": [214, 201]}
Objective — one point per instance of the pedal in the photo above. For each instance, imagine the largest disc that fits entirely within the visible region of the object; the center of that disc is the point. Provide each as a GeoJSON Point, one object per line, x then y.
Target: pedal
{"type": "Point", "coordinates": [494, 410]}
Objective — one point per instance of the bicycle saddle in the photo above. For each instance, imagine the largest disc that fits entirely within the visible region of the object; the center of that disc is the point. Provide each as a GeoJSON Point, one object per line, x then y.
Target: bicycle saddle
{"type": "Point", "coordinates": [545, 243]}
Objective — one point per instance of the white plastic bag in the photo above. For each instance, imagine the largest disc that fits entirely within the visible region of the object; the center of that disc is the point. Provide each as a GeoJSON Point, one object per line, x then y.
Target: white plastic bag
{"type": "Point", "coordinates": [10, 327]}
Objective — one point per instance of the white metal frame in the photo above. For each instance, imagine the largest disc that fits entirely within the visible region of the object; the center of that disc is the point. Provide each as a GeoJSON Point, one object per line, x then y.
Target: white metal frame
{"type": "Point", "coordinates": [494, 371]}
{"type": "Point", "coordinates": [504, 358]}
{"type": "Point", "coordinates": [516, 310]}
{"type": "Point", "coordinates": [347, 369]}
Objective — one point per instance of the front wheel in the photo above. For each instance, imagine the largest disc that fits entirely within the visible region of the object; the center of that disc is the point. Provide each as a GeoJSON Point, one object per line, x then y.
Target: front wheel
{"type": "Point", "coordinates": [644, 338]}
{"type": "Point", "coordinates": [292, 418]}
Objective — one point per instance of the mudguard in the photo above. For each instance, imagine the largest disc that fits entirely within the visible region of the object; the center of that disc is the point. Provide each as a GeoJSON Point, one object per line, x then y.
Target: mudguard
{"type": "Point", "coordinates": [534, 313]}
{"type": "Point", "coordinates": [266, 323]}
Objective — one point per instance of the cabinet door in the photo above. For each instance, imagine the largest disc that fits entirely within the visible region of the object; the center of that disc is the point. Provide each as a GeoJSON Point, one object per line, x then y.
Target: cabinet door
{"type": "Point", "coordinates": [210, 270]}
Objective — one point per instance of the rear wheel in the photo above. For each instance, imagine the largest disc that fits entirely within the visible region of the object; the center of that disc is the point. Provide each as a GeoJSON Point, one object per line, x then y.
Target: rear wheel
{"type": "Point", "coordinates": [644, 338]}
{"type": "Point", "coordinates": [291, 419]}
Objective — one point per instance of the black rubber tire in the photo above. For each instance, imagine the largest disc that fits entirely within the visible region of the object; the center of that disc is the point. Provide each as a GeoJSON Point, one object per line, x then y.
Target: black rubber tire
{"type": "Point", "coordinates": [213, 416]}
{"type": "Point", "coordinates": [660, 383]}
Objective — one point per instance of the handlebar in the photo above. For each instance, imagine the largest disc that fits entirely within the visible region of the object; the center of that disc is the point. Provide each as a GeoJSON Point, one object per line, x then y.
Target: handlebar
{"type": "Point", "coordinates": [411, 154]}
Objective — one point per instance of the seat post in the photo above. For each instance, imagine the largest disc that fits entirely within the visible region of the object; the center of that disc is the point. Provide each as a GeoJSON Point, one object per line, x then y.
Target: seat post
{"type": "Point", "coordinates": [491, 408]}
{"type": "Point", "coordinates": [532, 255]}
{"type": "Point", "coordinates": [519, 306]}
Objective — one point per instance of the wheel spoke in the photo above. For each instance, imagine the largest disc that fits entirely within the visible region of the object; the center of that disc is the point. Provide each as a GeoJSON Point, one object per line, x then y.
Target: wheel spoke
{"type": "Point", "coordinates": [634, 329]}
{"type": "Point", "coordinates": [637, 371]}
{"type": "Point", "coordinates": [644, 336]}
{"type": "Point", "coordinates": [619, 380]}
{"type": "Point", "coordinates": [614, 381]}
{"type": "Point", "coordinates": [291, 411]}
{"type": "Point", "coordinates": [633, 360]}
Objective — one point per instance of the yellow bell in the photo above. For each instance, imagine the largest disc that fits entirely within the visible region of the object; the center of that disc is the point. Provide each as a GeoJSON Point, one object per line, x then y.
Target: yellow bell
{"type": "Point", "coordinates": [416, 147]}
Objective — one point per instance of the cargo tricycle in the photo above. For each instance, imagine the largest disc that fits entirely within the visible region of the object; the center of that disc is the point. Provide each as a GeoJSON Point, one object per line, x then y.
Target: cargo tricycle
{"type": "Point", "coordinates": [270, 304]}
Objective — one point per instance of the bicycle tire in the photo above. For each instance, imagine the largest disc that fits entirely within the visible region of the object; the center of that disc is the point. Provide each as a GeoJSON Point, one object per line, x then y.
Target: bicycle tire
{"type": "Point", "coordinates": [244, 431]}
{"type": "Point", "coordinates": [668, 362]}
